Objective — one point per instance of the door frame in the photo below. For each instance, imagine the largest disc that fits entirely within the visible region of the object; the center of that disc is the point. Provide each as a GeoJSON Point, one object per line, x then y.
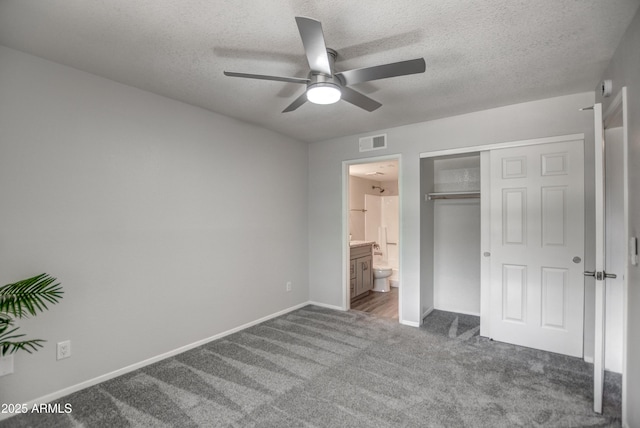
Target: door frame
{"type": "Point", "coordinates": [485, 286]}
{"type": "Point", "coordinates": [346, 276]}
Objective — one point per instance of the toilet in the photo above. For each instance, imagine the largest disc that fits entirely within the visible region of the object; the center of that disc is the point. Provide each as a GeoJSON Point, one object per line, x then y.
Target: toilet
{"type": "Point", "coordinates": [381, 274]}
{"type": "Point", "coordinates": [394, 278]}
{"type": "Point", "coordinates": [383, 265]}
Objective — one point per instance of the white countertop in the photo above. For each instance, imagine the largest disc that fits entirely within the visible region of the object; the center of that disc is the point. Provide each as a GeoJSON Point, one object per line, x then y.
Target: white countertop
{"type": "Point", "coordinates": [354, 244]}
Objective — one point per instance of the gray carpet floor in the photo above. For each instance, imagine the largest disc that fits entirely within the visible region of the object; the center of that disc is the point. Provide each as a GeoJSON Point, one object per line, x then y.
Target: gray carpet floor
{"type": "Point", "coordinates": [317, 367]}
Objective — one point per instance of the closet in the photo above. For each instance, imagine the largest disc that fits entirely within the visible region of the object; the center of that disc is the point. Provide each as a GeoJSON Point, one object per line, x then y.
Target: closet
{"type": "Point", "coordinates": [451, 235]}
{"type": "Point", "coordinates": [502, 235]}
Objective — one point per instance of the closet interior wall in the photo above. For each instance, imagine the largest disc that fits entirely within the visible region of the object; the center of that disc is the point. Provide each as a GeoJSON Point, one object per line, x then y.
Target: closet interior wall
{"type": "Point", "coordinates": [451, 238]}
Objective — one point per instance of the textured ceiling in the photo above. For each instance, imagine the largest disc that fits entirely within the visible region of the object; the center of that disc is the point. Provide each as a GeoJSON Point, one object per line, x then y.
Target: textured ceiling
{"type": "Point", "coordinates": [376, 171]}
{"type": "Point", "coordinates": [479, 53]}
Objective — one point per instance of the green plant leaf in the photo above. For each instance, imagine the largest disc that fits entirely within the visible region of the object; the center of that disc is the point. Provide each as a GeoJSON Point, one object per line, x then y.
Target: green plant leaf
{"type": "Point", "coordinates": [29, 296]}
{"type": "Point", "coordinates": [5, 324]}
{"type": "Point", "coordinates": [20, 299]}
{"type": "Point", "coordinates": [9, 345]}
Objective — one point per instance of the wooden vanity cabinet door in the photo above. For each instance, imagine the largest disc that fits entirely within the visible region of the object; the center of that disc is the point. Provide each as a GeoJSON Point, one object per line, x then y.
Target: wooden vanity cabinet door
{"type": "Point", "coordinates": [352, 287]}
{"type": "Point", "coordinates": [367, 274]}
{"type": "Point", "coordinates": [361, 271]}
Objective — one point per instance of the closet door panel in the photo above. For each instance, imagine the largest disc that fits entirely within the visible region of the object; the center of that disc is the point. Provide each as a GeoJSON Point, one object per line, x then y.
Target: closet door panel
{"type": "Point", "coordinates": [514, 215]}
{"type": "Point", "coordinates": [554, 218]}
{"type": "Point", "coordinates": [514, 293]}
{"type": "Point", "coordinates": [537, 246]}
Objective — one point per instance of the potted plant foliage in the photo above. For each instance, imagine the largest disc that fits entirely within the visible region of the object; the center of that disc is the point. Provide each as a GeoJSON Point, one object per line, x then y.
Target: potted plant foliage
{"type": "Point", "coordinates": [22, 299]}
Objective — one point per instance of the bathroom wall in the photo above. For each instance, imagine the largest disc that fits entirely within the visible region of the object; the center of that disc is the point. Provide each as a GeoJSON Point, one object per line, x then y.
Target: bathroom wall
{"type": "Point", "coordinates": [358, 187]}
{"type": "Point", "coordinates": [372, 217]}
{"type": "Point", "coordinates": [390, 187]}
{"type": "Point", "coordinates": [382, 211]}
{"type": "Point", "coordinates": [391, 219]}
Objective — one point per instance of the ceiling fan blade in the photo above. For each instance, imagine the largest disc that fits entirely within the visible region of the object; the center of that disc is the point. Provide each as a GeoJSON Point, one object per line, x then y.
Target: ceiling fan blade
{"type": "Point", "coordinates": [359, 100]}
{"type": "Point", "coordinates": [265, 77]}
{"type": "Point", "coordinates": [297, 103]}
{"type": "Point", "coordinates": [314, 46]}
{"type": "Point", "coordinates": [402, 68]}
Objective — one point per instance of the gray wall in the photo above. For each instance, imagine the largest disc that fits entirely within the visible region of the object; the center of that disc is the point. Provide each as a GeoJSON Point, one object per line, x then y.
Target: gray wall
{"type": "Point", "coordinates": [544, 118]}
{"type": "Point", "coordinates": [427, 183]}
{"type": "Point", "coordinates": [624, 70]}
{"type": "Point", "coordinates": [166, 224]}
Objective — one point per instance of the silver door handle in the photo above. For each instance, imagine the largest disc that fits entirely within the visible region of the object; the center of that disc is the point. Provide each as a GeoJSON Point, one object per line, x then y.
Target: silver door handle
{"type": "Point", "coordinates": [600, 275]}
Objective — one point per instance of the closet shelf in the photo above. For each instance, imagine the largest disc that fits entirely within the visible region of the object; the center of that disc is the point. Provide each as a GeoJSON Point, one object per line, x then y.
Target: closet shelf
{"type": "Point", "coordinates": [453, 195]}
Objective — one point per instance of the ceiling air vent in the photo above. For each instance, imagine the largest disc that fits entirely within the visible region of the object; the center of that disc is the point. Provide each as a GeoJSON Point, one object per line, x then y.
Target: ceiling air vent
{"type": "Point", "coordinates": [374, 142]}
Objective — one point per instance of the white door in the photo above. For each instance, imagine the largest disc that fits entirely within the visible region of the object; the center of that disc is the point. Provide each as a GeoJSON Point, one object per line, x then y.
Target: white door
{"type": "Point", "coordinates": [600, 274]}
{"type": "Point", "coordinates": [615, 247]}
{"type": "Point", "coordinates": [537, 246]}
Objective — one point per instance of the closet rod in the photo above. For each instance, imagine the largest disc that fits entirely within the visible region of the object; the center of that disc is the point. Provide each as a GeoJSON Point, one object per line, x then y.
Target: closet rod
{"type": "Point", "coordinates": [452, 195]}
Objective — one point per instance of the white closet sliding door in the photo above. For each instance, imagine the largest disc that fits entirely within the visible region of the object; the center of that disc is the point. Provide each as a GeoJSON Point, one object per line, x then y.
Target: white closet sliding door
{"type": "Point", "coordinates": [537, 246]}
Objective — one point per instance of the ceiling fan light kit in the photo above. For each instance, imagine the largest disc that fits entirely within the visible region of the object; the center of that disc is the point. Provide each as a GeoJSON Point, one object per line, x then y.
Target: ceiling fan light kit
{"type": "Point", "coordinates": [323, 93]}
{"type": "Point", "coordinates": [324, 84]}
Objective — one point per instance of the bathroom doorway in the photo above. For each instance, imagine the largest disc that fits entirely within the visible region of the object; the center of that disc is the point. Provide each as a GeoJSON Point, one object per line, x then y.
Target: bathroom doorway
{"type": "Point", "coordinates": [373, 236]}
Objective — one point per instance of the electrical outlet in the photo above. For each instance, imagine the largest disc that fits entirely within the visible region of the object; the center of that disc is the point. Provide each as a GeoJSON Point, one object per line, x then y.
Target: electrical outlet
{"type": "Point", "coordinates": [288, 285]}
{"type": "Point", "coordinates": [6, 364]}
{"type": "Point", "coordinates": [64, 350]}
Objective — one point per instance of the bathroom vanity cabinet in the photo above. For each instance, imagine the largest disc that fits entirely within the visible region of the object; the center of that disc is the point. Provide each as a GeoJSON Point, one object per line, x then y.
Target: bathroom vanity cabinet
{"type": "Point", "coordinates": [361, 262]}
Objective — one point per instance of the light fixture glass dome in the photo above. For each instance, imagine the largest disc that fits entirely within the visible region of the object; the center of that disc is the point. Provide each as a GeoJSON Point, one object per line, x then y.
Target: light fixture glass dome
{"type": "Point", "coordinates": [323, 93]}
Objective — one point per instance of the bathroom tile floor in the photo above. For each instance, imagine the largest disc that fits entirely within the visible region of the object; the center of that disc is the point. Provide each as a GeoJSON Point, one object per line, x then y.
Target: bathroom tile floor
{"type": "Point", "coordinates": [384, 305]}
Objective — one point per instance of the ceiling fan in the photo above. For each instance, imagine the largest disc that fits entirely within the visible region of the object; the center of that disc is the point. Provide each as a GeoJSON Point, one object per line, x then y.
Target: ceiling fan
{"type": "Point", "coordinates": [324, 84]}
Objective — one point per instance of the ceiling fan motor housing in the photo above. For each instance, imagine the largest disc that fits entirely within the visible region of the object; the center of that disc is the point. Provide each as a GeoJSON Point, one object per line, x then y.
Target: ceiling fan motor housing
{"type": "Point", "coordinates": [321, 79]}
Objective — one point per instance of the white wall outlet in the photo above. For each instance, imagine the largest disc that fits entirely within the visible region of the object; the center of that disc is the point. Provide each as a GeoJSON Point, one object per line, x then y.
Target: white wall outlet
{"type": "Point", "coordinates": [63, 350]}
{"type": "Point", "coordinates": [288, 285]}
{"type": "Point", "coordinates": [6, 364]}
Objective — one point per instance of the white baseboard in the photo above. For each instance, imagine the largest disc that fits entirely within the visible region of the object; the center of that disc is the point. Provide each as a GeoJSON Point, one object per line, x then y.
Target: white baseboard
{"type": "Point", "coordinates": [607, 369]}
{"type": "Point", "coordinates": [426, 313]}
{"type": "Point", "coordinates": [324, 305]}
{"type": "Point", "coordinates": [91, 382]}
{"type": "Point", "coordinates": [457, 311]}
{"type": "Point", "coordinates": [475, 314]}
{"type": "Point", "coordinates": [410, 323]}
